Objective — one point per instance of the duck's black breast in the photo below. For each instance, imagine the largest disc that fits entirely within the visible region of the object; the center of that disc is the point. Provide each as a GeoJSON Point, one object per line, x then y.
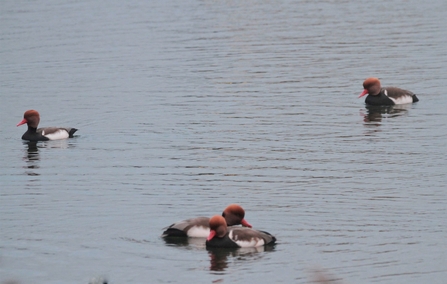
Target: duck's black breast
{"type": "Point", "coordinates": [32, 134]}
{"type": "Point", "coordinates": [224, 242]}
{"type": "Point", "coordinates": [379, 100]}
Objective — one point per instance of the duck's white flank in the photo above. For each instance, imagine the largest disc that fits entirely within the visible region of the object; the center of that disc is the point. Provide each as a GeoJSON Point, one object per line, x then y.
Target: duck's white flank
{"type": "Point", "coordinates": [60, 134]}
{"type": "Point", "coordinates": [253, 242]}
{"type": "Point", "coordinates": [401, 100]}
{"type": "Point", "coordinates": [198, 232]}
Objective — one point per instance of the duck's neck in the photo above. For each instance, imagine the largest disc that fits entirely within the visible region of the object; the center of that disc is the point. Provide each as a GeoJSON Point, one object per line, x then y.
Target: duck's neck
{"type": "Point", "coordinates": [32, 129]}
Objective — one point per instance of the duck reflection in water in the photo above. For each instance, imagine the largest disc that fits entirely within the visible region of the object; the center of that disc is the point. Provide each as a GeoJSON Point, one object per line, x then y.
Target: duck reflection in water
{"type": "Point", "coordinates": [220, 258]}
{"type": "Point", "coordinates": [31, 157]}
{"type": "Point", "coordinates": [187, 243]}
{"type": "Point", "coordinates": [377, 113]}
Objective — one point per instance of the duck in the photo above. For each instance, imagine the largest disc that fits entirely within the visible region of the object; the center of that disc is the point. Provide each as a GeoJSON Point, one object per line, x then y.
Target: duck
{"type": "Point", "coordinates": [32, 118]}
{"type": "Point", "coordinates": [198, 227]}
{"type": "Point", "coordinates": [222, 236]}
{"type": "Point", "coordinates": [385, 96]}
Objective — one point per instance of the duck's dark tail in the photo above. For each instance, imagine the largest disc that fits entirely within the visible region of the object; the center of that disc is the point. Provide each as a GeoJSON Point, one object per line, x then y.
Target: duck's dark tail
{"type": "Point", "coordinates": [71, 131]}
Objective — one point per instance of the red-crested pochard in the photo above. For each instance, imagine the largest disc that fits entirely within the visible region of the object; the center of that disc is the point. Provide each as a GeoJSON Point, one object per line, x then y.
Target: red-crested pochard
{"type": "Point", "coordinates": [199, 227]}
{"type": "Point", "coordinates": [32, 119]}
{"type": "Point", "coordinates": [378, 96]}
{"type": "Point", "coordinates": [235, 237]}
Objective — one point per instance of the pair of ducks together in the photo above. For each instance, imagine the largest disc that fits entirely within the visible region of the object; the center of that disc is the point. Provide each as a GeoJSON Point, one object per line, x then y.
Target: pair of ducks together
{"type": "Point", "coordinates": [377, 96]}
{"type": "Point", "coordinates": [222, 231]}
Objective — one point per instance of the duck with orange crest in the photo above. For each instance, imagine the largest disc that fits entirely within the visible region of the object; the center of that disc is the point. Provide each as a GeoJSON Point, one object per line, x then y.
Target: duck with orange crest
{"type": "Point", "coordinates": [32, 119]}
{"type": "Point", "coordinates": [385, 96]}
{"type": "Point", "coordinates": [222, 236]}
{"type": "Point", "coordinates": [199, 227]}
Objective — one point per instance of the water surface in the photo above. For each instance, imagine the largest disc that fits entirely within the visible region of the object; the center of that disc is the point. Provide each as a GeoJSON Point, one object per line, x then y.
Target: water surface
{"type": "Point", "coordinates": [185, 107]}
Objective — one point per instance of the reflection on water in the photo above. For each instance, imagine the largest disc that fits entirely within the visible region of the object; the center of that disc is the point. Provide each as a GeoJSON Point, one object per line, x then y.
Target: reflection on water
{"type": "Point", "coordinates": [31, 158]}
{"type": "Point", "coordinates": [235, 102]}
{"type": "Point", "coordinates": [56, 144]}
{"type": "Point", "coordinates": [186, 243]}
{"type": "Point", "coordinates": [377, 113]}
{"type": "Point", "coordinates": [319, 275]}
{"type": "Point", "coordinates": [32, 155]}
{"type": "Point", "coordinates": [221, 257]}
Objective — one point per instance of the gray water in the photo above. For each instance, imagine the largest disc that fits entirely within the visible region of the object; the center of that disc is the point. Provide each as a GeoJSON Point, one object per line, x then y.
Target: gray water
{"type": "Point", "coordinates": [184, 107]}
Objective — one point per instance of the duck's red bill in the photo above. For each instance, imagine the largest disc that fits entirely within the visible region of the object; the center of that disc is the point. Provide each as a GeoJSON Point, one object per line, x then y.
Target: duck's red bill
{"type": "Point", "coordinates": [22, 122]}
{"type": "Point", "coordinates": [245, 223]}
{"type": "Point", "coordinates": [211, 235]}
{"type": "Point", "coordinates": [365, 91]}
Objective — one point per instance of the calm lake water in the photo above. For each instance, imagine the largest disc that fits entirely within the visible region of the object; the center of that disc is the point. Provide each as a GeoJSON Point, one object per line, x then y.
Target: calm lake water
{"type": "Point", "coordinates": [184, 107]}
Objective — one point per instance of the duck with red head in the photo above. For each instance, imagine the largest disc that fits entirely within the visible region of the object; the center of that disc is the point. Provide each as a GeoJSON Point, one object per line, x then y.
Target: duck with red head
{"type": "Point", "coordinates": [235, 237]}
{"type": "Point", "coordinates": [386, 96]}
{"type": "Point", "coordinates": [199, 227]}
{"type": "Point", "coordinates": [32, 119]}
